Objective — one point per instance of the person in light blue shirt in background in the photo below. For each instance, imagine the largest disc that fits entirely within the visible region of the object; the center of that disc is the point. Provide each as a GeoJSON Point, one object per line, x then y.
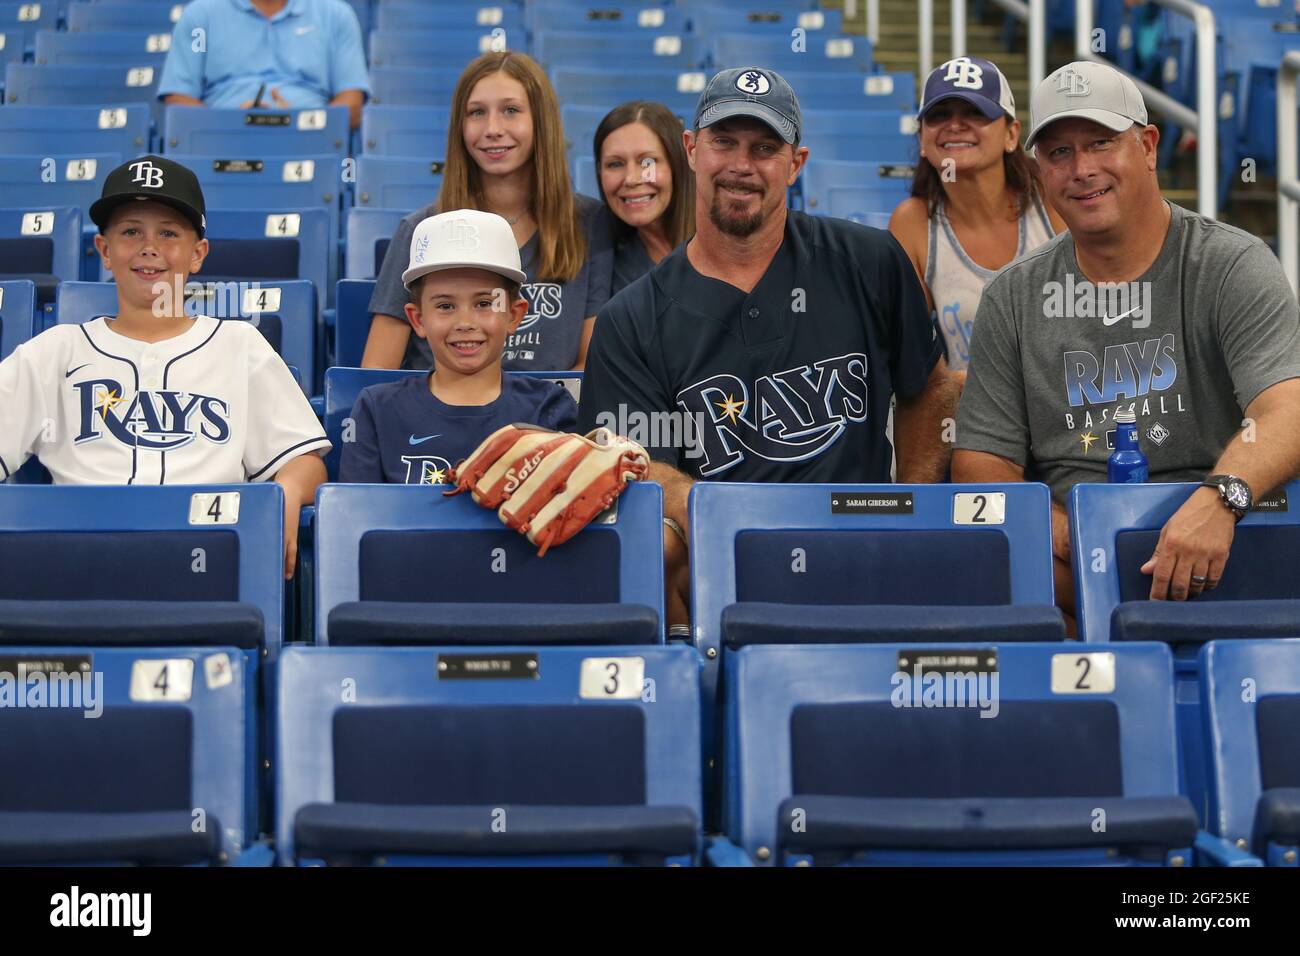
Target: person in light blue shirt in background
{"type": "Point", "coordinates": [297, 54]}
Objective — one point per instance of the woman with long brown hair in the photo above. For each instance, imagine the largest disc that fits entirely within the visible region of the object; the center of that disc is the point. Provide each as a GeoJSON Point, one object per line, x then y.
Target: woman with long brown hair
{"type": "Point", "coordinates": [976, 203]}
{"type": "Point", "coordinates": [505, 155]}
{"type": "Point", "coordinates": [647, 185]}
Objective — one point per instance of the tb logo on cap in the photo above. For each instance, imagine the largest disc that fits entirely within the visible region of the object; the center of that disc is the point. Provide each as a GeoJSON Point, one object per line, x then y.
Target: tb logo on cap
{"type": "Point", "coordinates": [147, 174]}
{"type": "Point", "coordinates": [1072, 83]}
{"type": "Point", "coordinates": [754, 83]}
{"type": "Point", "coordinates": [962, 72]}
{"type": "Point", "coordinates": [463, 233]}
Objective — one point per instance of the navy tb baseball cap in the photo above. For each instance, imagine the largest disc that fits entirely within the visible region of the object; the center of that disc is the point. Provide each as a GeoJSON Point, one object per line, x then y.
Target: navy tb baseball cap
{"type": "Point", "coordinates": [973, 79]}
{"type": "Point", "coordinates": [156, 178]}
{"type": "Point", "coordinates": [761, 94]}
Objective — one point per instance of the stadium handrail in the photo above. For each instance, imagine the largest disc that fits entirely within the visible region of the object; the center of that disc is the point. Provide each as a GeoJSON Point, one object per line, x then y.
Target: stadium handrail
{"type": "Point", "coordinates": [1288, 185]}
{"type": "Point", "coordinates": [1033, 11]}
{"type": "Point", "coordinates": [873, 18]}
{"type": "Point", "coordinates": [1204, 117]}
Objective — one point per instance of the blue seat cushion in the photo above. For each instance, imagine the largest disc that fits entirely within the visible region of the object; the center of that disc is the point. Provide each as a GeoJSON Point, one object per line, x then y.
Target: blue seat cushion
{"type": "Point", "coordinates": [1277, 818]}
{"type": "Point", "coordinates": [847, 824]}
{"type": "Point", "coordinates": [330, 830]}
{"type": "Point", "coordinates": [405, 623]}
{"type": "Point", "coordinates": [1261, 566]}
{"type": "Point", "coordinates": [165, 837]}
{"type": "Point", "coordinates": [132, 624]}
{"type": "Point", "coordinates": [1195, 621]}
{"type": "Point", "coordinates": [762, 623]}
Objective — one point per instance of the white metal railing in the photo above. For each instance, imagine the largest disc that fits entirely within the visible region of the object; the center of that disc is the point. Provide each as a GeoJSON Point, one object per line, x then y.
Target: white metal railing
{"type": "Point", "coordinates": [1288, 188]}
{"type": "Point", "coordinates": [1033, 11]}
{"type": "Point", "coordinates": [1204, 118]}
{"type": "Point", "coordinates": [925, 31]}
{"type": "Point", "coordinates": [873, 18]}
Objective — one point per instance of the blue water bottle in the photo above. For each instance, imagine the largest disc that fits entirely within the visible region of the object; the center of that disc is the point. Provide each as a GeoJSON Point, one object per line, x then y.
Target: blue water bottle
{"type": "Point", "coordinates": [1127, 465]}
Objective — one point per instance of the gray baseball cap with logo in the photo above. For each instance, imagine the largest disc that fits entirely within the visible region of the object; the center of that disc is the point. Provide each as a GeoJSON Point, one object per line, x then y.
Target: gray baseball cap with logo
{"type": "Point", "coordinates": [751, 91]}
{"type": "Point", "coordinates": [1087, 90]}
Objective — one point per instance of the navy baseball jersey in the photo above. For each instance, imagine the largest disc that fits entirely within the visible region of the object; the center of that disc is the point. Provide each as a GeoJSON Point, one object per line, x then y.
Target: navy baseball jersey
{"type": "Point", "coordinates": [790, 382]}
{"type": "Point", "coordinates": [213, 404]}
{"type": "Point", "coordinates": [406, 435]}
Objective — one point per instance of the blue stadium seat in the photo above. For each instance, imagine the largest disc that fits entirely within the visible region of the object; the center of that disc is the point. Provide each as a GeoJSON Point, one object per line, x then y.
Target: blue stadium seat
{"type": "Point", "coordinates": [74, 179]}
{"type": "Point", "coordinates": [625, 49]}
{"type": "Point", "coordinates": [169, 738]}
{"type": "Point", "coordinates": [351, 329]}
{"type": "Point", "coordinates": [1114, 530]}
{"type": "Point", "coordinates": [877, 187]}
{"type": "Point", "coordinates": [250, 134]}
{"type": "Point", "coordinates": [284, 312]}
{"type": "Point", "coordinates": [23, 20]}
{"type": "Point", "coordinates": [412, 85]}
{"type": "Point", "coordinates": [405, 131]}
{"type": "Point", "coordinates": [454, 47]}
{"type": "Point", "coordinates": [1250, 692]}
{"type": "Point", "coordinates": [434, 770]}
{"type": "Point", "coordinates": [856, 205]}
{"type": "Point", "coordinates": [397, 182]}
{"type": "Point", "coordinates": [585, 178]}
{"type": "Point", "coordinates": [833, 757]}
{"type": "Point", "coordinates": [343, 384]}
{"type": "Point", "coordinates": [125, 49]}
{"type": "Point", "coordinates": [369, 232]}
{"type": "Point", "coordinates": [600, 87]}
{"type": "Point", "coordinates": [605, 16]}
{"type": "Point", "coordinates": [839, 54]}
{"type": "Point", "coordinates": [884, 137]}
{"type": "Point", "coordinates": [30, 85]}
{"type": "Point", "coordinates": [17, 314]}
{"type": "Point", "coordinates": [851, 91]}
{"type": "Point", "coordinates": [42, 244]}
{"type": "Point", "coordinates": [486, 16]}
{"type": "Point", "coordinates": [68, 129]}
{"type": "Point", "coordinates": [580, 124]}
{"type": "Point", "coordinates": [756, 16]}
{"type": "Point", "coordinates": [92, 16]}
{"type": "Point", "coordinates": [376, 583]}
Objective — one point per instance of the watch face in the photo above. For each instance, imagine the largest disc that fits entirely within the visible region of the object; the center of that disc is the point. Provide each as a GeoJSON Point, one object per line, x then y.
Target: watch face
{"type": "Point", "coordinates": [1238, 495]}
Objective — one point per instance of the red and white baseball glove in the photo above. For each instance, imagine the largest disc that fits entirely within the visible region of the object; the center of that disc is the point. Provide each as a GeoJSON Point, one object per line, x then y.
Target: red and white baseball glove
{"type": "Point", "coordinates": [545, 484]}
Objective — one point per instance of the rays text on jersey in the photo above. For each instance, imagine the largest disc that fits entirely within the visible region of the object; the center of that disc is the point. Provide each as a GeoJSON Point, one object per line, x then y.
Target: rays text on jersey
{"type": "Point", "coordinates": [157, 420]}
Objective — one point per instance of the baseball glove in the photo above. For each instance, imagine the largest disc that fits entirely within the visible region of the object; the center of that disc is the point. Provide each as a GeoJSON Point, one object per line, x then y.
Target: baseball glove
{"type": "Point", "coordinates": [545, 484]}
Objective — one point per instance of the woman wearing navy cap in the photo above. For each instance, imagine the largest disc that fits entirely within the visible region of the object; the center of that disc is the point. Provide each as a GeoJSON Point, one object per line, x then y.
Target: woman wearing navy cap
{"type": "Point", "coordinates": [976, 203]}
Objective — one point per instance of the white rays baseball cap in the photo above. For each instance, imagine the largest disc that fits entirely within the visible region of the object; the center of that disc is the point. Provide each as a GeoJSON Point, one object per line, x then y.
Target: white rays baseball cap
{"type": "Point", "coordinates": [1087, 90]}
{"type": "Point", "coordinates": [463, 239]}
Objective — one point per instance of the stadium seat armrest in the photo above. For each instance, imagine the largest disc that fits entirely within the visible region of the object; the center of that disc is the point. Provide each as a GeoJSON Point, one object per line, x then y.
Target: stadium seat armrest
{"type": "Point", "coordinates": [722, 852]}
{"type": "Point", "coordinates": [306, 517]}
{"type": "Point", "coordinates": [259, 854]}
{"type": "Point", "coordinates": [1216, 851]}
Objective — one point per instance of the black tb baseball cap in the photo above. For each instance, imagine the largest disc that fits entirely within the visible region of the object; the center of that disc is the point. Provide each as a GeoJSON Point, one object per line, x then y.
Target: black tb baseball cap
{"type": "Point", "coordinates": [156, 178]}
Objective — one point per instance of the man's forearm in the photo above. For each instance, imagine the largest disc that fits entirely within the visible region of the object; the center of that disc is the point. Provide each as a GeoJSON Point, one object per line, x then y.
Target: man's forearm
{"type": "Point", "coordinates": [919, 431]}
{"type": "Point", "coordinates": [301, 477]}
{"type": "Point", "coordinates": [180, 99]}
{"type": "Point", "coordinates": [354, 100]}
{"type": "Point", "coordinates": [677, 490]}
{"type": "Point", "coordinates": [1266, 452]}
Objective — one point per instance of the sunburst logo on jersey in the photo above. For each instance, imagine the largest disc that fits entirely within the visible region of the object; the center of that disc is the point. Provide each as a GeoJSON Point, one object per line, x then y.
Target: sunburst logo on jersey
{"type": "Point", "coordinates": [433, 476]}
{"type": "Point", "coordinates": [1087, 438]}
{"type": "Point", "coordinates": [731, 408]}
{"type": "Point", "coordinates": [108, 403]}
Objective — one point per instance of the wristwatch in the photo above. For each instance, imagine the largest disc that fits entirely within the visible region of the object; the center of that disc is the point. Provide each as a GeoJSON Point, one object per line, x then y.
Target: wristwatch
{"type": "Point", "coordinates": [1234, 492]}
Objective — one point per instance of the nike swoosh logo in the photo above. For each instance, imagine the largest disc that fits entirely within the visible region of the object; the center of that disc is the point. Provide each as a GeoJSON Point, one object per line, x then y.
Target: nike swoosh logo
{"type": "Point", "coordinates": [420, 441]}
{"type": "Point", "coordinates": [73, 371]}
{"type": "Point", "coordinates": [1111, 320]}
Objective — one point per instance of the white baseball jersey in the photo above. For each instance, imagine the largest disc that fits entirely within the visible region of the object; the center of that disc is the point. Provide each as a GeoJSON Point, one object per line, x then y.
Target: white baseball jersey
{"type": "Point", "coordinates": [214, 404]}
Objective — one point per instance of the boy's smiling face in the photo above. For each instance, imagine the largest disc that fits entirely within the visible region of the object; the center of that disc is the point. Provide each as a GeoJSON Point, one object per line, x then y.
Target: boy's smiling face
{"type": "Point", "coordinates": [465, 315]}
{"type": "Point", "coordinates": [147, 243]}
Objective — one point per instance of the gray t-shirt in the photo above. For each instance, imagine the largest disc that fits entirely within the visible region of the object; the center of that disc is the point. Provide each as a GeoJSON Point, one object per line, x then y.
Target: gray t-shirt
{"type": "Point", "coordinates": [548, 337]}
{"type": "Point", "coordinates": [1188, 346]}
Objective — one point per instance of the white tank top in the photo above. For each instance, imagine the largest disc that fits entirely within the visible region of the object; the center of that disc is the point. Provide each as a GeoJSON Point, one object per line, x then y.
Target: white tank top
{"type": "Point", "coordinates": [956, 281]}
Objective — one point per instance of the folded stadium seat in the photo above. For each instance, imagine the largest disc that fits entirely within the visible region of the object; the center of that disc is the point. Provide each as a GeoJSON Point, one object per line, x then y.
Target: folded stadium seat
{"type": "Point", "coordinates": [343, 384]}
{"type": "Point", "coordinates": [158, 778]}
{"type": "Point", "coordinates": [194, 569]}
{"type": "Point", "coordinates": [1114, 530]}
{"type": "Point", "coordinates": [599, 87]}
{"type": "Point", "coordinates": [605, 16]}
{"type": "Point", "coordinates": [90, 16]}
{"type": "Point", "coordinates": [628, 48]}
{"type": "Point", "coordinates": [1250, 692]}
{"type": "Point", "coordinates": [17, 314]}
{"type": "Point", "coordinates": [1253, 49]}
{"type": "Point", "coordinates": [284, 312]}
{"type": "Point", "coordinates": [417, 131]}
{"type": "Point", "coordinates": [23, 20]}
{"type": "Point", "coordinates": [853, 142]}
{"type": "Point", "coordinates": [580, 123]}
{"type": "Point", "coordinates": [54, 130]}
{"type": "Point", "coordinates": [882, 756]}
{"type": "Point", "coordinates": [351, 323]}
{"type": "Point", "coordinates": [407, 183]}
{"type": "Point", "coordinates": [837, 54]}
{"type": "Point", "coordinates": [379, 549]}
{"type": "Point", "coordinates": [75, 179]}
{"type": "Point", "coordinates": [875, 186]}
{"type": "Point", "coordinates": [585, 178]}
{"type": "Point", "coordinates": [862, 206]}
{"type": "Point", "coordinates": [585, 760]}
{"type": "Point", "coordinates": [260, 134]}
{"type": "Point", "coordinates": [102, 48]}
{"type": "Point", "coordinates": [709, 19]}
{"type": "Point", "coordinates": [852, 91]}
{"type": "Point", "coordinates": [40, 243]}
{"type": "Point", "coordinates": [454, 47]}
{"type": "Point", "coordinates": [368, 232]}
{"type": "Point", "coordinates": [415, 15]}
{"type": "Point", "coordinates": [27, 84]}
{"type": "Point", "coordinates": [412, 85]}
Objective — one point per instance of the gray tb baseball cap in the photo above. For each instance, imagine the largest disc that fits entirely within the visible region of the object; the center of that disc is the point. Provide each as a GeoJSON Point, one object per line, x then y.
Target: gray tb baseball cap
{"type": "Point", "coordinates": [761, 94]}
{"type": "Point", "coordinates": [1087, 90]}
